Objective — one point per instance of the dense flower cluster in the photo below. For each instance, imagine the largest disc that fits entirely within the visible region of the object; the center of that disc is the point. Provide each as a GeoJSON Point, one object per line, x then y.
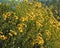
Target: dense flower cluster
{"type": "Point", "coordinates": [28, 24]}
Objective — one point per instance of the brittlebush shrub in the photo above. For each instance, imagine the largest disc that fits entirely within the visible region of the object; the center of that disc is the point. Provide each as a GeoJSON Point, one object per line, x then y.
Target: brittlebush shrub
{"type": "Point", "coordinates": [28, 25]}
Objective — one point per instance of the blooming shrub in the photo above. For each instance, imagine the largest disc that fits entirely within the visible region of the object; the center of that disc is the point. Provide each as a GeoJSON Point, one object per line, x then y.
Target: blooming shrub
{"type": "Point", "coordinates": [29, 25]}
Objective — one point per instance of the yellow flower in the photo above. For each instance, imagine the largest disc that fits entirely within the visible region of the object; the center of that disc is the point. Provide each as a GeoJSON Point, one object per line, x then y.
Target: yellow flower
{"type": "Point", "coordinates": [8, 14]}
{"type": "Point", "coordinates": [11, 31]}
{"type": "Point", "coordinates": [38, 4]}
{"type": "Point", "coordinates": [48, 33]}
{"type": "Point", "coordinates": [26, 18]}
{"type": "Point", "coordinates": [10, 34]}
{"type": "Point", "coordinates": [40, 40]}
{"type": "Point", "coordinates": [25, 25]}
{"type": "Point", "coordinates": [20, 25]}
{"type": "Point", "coordinates": [39, 34]}
{"type": "Point", "coordinates": [51, 21]}
{"type": "Point", "coordinates": [25, 0]}
{"type": "Point", "coordinates": [23, 19]}
{"type": "Point", "coordinates": [3, 37]}
{"type": "Point", "coordinates": [14, 33]}
{"type": "Point", "coordinates": [31, 18]}
{"type": "Point", "coordinates": [4, 16]}
{"type": "Point", "coordinates": [38, 24]}
{"type": "Point", "coordinates": [16, 17]}
{"type": "Point", "coordinates": [1, 32]}
{"type": "Point", "coordinates": [58, 24]}
{"type": "Point", "coordinates": [20, 29]}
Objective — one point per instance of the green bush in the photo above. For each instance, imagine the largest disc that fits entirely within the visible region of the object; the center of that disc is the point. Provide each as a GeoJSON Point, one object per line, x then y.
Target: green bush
{"type": "Point", "coordinates": [28, 25]}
